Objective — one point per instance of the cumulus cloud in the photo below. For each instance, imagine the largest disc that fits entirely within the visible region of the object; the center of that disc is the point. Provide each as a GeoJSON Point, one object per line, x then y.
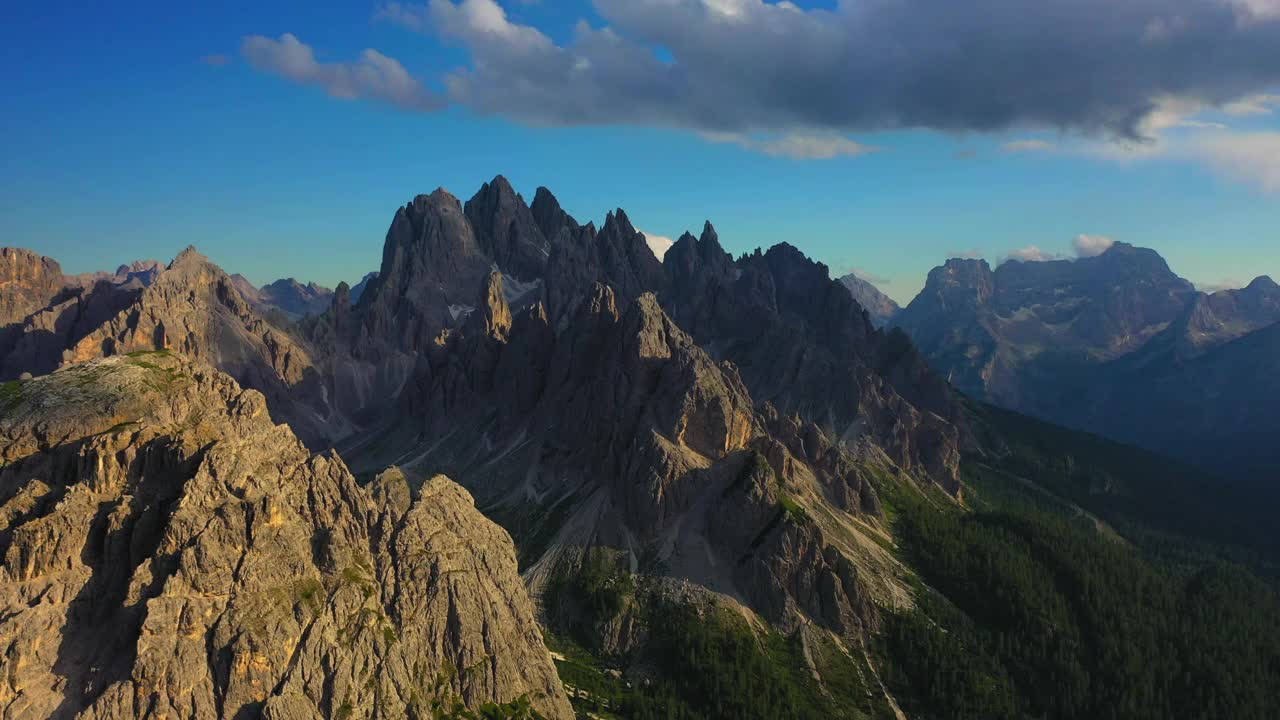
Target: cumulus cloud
{"type": "Point", "coordinates": [970, 254]}
{"type": "Point", "coordinates": [797, 146]}
{"type": "Point", "coordinates": [1030, 253]}
{"type": "Point", "coordinates": [1252, 158]}
{"type": "Point", "coordinates": [1262, 104]}
{"type": "Point", "coordinates": [658, 244]}
{"type": "Point", "coordinates": [373, 76]}
{"type": "Point", "coordinates": [1091, 245]}
{"type": "Point", "coordinates": [1213, 287]}
{"type": "Point", "coordinates": [746, 66]}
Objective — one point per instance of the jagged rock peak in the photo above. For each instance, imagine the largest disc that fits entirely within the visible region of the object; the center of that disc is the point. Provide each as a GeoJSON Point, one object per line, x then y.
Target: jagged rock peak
{"type": "Point", "coordinates": [497, 195]}
{"type": "Point", "coordinates": [709, 235]}
{"type": "Point", "coordinates": [187, 265]}
{"type": "Point", "coordinates": [618, 222]}
{"type": "Point", "coordinates": [436, 198]}
{"type": "Point", "coordinates": [500, 185]}
{"type": "Point", "coordinates": [545, 198]}
{"type": "Point", "coordinates": [507, 231]}
{"type": "Point", "coordinates": [189, 255]}
{"type": "Point", "coordinates": [548, 214]}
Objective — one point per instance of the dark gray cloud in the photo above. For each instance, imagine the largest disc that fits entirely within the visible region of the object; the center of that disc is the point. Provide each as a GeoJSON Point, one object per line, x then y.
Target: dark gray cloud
{"type": "Point", "coordinates": [1098, 67]}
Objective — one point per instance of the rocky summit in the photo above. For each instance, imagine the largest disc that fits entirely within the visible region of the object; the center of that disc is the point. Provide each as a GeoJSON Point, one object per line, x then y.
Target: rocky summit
{"type": "Point", "coordinates": [168, 551]}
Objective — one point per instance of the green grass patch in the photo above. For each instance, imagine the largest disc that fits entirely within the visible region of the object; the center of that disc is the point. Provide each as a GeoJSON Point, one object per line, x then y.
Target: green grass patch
{"type": "Point", "coordinates": [793, 509]}
{"type": "Point", "coordinates": [11, 394]}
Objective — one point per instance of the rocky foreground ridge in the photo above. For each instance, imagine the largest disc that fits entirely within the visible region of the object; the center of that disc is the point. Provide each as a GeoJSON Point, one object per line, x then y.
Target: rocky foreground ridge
{"type": "Point", "coordinates": [168, 551]}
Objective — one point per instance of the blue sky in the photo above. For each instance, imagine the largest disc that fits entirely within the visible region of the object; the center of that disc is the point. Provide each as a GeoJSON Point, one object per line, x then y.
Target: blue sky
{"type": "Point", "coordinates": [132, 132]}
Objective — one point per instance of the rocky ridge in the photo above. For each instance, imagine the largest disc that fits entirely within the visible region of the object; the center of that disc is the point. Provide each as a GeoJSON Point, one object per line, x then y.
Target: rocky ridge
{"type": "Point", "coordinates": [676, 444]}
{"type": "Point", "coordinates": [169, 551]}
{"type": "Point", "coordinates": [194, 308]}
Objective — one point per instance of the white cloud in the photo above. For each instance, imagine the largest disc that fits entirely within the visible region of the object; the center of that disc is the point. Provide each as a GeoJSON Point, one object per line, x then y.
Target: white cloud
{"type": "Point", "coordinates": [1213, 287]}
{"type": "Point", "coordinates": [484, 21]}
{"type": "Point", "coordinates": [1091, 245]}
{"type": "Point", "coordinates": [1025, 146]}
{"type": "Point", "coordinates": [373, 76]}
{"type": "Point", "coordinates": [1170, 112]}
{"type": "Point", "coordinates": [659, 244]}
{"type": "Point", "coordinates": [1176, 131]}
{"type": "Point", "coordinates": [796, 146]}
{"type": "Point", "coordinates": [1030, 253]}
{"type": "Point", "coordinates": [1252, 12]}
{"type": "Point", "coordinates": [1253, 105]}
{"type": "Point", "coordinates": [1252, 158]}
{"type": "Point", "coordinates": [970, 254]}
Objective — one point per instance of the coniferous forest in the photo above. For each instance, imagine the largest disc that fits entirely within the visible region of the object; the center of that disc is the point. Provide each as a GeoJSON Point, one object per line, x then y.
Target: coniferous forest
{"type": "Point", "coordinates": [1040, 599]}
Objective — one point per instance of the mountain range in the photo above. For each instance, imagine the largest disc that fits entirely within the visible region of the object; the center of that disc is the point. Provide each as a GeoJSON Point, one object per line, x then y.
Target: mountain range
{"type": "Point", "coordinates": [1115, 344]}
{"type": "Point", "coordinates": [719, 488]}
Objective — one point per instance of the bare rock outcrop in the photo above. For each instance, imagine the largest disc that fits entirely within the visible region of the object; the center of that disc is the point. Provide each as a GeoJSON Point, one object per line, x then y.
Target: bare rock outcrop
{"type": "Point", "coordinates": [805, 346]}
{"type": "Point", "coordinates": [194, 308]}
{"type": "Point", "coordinates": [170, 552]}
{"type": "Point", "coordinates": [28, 282]}
{"type": "Point", "coordinates": [615, 429]}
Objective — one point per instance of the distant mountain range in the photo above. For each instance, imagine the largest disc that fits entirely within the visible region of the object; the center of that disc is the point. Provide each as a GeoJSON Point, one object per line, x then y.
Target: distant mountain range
{"type": "Point", "coordinates": [1116, 344]}
{"type": "Point", "coordinates": [879, 306]}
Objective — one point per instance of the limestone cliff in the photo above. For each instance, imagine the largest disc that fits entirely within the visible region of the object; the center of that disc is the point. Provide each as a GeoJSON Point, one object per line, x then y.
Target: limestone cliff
{"type": "Point", "coordinates": [168, 551]}
{"type": "Point", "coordinates": [615, 429]}
{"type": "Point", "coordinates": [28, 282]}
